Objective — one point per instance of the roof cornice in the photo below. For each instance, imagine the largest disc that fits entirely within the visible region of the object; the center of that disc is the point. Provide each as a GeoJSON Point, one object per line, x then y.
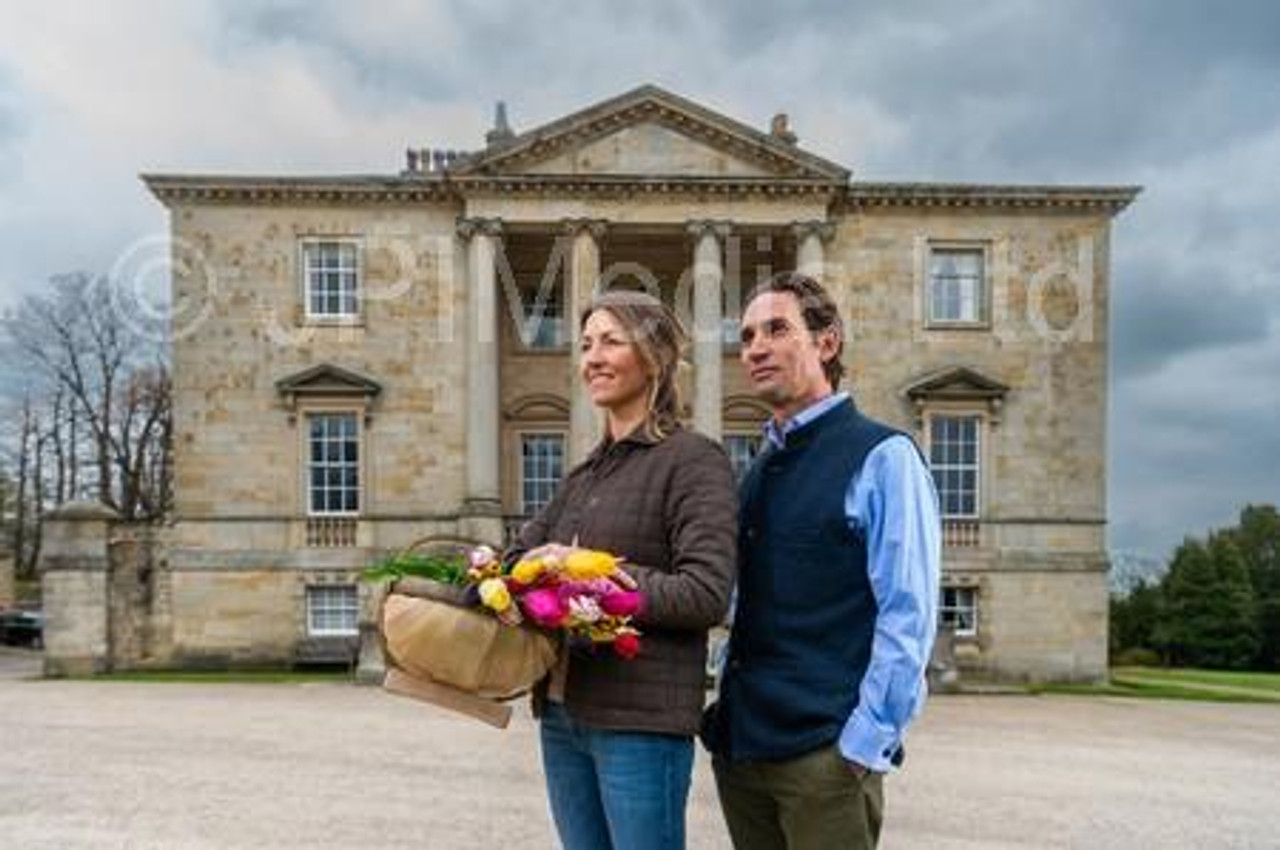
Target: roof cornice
{"type": "Point", "coordinates": [204, 188]}
{"type": "Point", "coordinates": [445, 187]}
{"type": "Point", "coordinates": [1112, 199]}
{"type": "Point", "coordinates": [237, 189]}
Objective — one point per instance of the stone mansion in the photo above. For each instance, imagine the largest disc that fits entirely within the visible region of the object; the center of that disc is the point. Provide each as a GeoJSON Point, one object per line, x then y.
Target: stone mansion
{"type": "Point", "coordinates": [363, 361]}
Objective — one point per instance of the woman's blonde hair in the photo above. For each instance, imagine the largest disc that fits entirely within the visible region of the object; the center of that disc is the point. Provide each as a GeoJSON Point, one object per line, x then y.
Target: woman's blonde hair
{"type": "Point", "coordinates": [660, 339]}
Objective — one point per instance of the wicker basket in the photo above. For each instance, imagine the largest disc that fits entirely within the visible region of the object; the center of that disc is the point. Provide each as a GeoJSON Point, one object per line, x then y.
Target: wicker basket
{"type": "Point", "coordinates": [442, 651]}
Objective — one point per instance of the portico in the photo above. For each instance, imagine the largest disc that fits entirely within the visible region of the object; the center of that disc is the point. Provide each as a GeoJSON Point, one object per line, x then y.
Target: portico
{"type": "Point", "coordinates": [527, 283]}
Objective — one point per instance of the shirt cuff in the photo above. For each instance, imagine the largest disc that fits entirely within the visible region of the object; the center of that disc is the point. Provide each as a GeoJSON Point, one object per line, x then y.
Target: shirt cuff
{"type": "Point", "coordinates": [869, 743]}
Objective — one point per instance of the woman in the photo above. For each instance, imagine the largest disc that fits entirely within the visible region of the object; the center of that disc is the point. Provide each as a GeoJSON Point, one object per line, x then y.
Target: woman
{"type": "Point", "coordinates": [617, 735]}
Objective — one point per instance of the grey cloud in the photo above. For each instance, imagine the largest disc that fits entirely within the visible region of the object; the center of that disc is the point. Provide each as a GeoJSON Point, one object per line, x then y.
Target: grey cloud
{"type": "Point", "coordinates": [1183, 469]}
{"type": "Point", "coordinates": [12, 129]}
{"type": "Point", "coordinates": [1081, 91]}
{"type": "Point", "coordinates": [426, 75]}
{"type": "Point", "coordinates": [1160, 312]}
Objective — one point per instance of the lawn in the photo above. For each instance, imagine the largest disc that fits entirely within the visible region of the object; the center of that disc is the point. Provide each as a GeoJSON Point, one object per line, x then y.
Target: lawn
{"type": "Point", "coordinates": [1189, 684]}
{"type": "Point", "coordinates": [1229, 678]}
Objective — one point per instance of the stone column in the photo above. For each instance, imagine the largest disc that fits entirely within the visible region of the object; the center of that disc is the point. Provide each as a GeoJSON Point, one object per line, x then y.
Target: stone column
{"type": "Point", "coordinates": [75, 568]}
{"type": "Point", "coordinates": [708, 311]}
{"type": "Point", "coordinates": [811, 237]}
{"type": "Point", "coordinates": [585, 422]}
{"type": "Point", "coordinates": [483, 495]}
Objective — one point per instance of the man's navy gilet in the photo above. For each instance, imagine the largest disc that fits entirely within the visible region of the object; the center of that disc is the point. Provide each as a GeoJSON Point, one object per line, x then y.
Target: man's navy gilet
{"type": "Point", "coordinates": [806, 612]}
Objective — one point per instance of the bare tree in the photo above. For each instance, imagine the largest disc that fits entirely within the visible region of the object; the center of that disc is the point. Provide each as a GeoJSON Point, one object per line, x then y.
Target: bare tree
{"type": "Point", "coordinates": [26, 440]}
{"type": "Point", "coordinates": [102, 375]}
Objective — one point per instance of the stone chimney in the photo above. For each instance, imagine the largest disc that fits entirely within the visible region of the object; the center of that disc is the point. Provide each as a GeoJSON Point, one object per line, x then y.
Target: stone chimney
{"type": "Point", "coordinates": [779, 130]}
{"type": "Point", "coordinates": [501, 132]}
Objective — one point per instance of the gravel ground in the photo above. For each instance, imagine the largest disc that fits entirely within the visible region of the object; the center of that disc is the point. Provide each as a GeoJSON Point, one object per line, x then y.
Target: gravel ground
{"type": "Point", "coordinates": [132, 765]}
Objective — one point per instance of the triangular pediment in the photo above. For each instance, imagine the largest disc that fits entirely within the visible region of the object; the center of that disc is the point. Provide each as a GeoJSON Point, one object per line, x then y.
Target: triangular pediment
{"type": "Point", "coordinates": [955, 383]}
{"type": "Point", "coordinates": [649, 132]}
{"type": "Point", "coordinates": [327, 380]}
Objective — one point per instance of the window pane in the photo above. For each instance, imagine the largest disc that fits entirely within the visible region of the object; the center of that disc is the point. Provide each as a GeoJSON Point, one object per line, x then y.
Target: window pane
{"type": "Point", "coordinates": [958, 609]}
{"type": "Point", "coordinates": [541, 469]}
{"type": "Point", "coordinates": [742, 449]}
{"type": "Point", "coordinates": [956, 285]}
{"type": "Point", "coordinates": [954, 458]}
{"type": "Point", "coordinates": [333, 610]}
{"type": "Point", "coordinates": [334, 469]}
{"type": "Point", "coordinates": [542, 325]}
{"type": "Point", "coordinates": [332, 278]}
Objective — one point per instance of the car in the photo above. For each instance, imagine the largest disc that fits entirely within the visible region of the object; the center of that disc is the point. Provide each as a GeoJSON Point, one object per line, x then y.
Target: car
{"type": "Point", "coordinates": [22, 628]}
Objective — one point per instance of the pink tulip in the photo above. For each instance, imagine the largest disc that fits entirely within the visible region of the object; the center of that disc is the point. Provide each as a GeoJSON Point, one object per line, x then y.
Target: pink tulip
{"type": "Point", "coordinates": [545, 607]}
{"type": "Point", "coordinates": [622, 603]}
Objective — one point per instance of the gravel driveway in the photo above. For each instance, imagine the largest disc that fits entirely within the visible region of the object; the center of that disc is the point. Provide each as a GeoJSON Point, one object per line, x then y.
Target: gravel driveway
{"type": "Point", "coordinates": [131, 765]}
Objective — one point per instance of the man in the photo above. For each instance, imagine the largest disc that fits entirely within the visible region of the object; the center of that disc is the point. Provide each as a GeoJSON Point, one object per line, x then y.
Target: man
{"type": "Point", "coordinates": [837, 597]}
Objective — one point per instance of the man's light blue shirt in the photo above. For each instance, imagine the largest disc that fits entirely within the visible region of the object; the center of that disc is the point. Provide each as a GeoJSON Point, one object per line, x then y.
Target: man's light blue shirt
{"type": "Point", "coordinates": [892, 502]}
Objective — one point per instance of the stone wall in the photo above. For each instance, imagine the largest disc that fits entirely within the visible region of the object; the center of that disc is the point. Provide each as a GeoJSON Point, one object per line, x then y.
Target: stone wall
{"type": "Point", "coordinates": [105, 593]}
{"type": "Point", "coordinates": [238, 452]}
{"type": "Point", "coordinates": [8, 591]}
{"type": "Point", "coordinates": [74, 569]}
{"type": "Point", "coordinates": [139, 598]}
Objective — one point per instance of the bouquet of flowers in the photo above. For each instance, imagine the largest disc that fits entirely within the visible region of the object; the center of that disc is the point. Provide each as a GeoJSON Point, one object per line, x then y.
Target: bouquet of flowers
{"type": "Point", "coordinates": [464, 631]}
{"type": "Point", "coordinates": [584, 593]}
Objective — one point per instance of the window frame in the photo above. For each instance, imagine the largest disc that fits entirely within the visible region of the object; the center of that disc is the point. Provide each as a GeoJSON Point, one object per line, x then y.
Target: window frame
{"type": "Point", "coordinates": [982, 301]}
{"type": "Point", "coordinates": [526, 287]}
{"type": "Point", "coordinates": [306, 439]}
{"type": "Point", "coordinates": [306, 245]}
{"type": "Point", "coordinates": [316, 590]}
{"type": "Point", "coordinates": [979, 461]}
{"type": "Point", "coordinates": [758, 440]}
{"type": "Point", "coordinates": [538, 433]}
{"type": "Point", "coordinates": [957, 609]}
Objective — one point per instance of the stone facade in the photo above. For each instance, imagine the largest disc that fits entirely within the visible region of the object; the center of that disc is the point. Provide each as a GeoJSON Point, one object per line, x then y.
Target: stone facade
{"type": "Point", "coordinates": [644, 189]}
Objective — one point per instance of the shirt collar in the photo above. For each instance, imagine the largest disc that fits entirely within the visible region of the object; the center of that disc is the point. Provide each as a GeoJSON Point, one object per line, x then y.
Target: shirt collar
{"type": "Point", "coordinates": [640, 435]}
{"type": "Point", "coordinates": [778, 435]}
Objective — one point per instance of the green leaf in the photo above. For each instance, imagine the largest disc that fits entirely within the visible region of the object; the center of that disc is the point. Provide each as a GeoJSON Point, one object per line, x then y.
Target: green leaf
{"type": "Point", "coordinates": [447, 569]}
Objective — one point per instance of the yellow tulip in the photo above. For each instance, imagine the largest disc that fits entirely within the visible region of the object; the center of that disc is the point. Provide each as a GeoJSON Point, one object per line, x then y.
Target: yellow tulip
{"type": "Point", "coordinates": [527, 572]}
{"type": "Point", "coordinates": [494, 594]}
{"type": "Point", "coordinates": [585, 564]}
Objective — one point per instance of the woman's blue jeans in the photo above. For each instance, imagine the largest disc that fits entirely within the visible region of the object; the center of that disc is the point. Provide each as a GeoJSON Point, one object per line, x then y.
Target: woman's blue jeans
{"type": "Point", "coordinates": [615, 790]}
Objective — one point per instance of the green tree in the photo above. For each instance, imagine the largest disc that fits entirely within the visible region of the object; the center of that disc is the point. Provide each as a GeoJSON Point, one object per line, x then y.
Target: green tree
{"type": "Point", "coordinates": [1231, 635]}
{"type": "Point", "coordinates": [1135, 618]}
{"type": "Point", "coordinates": [1258, 539]}
{"type": "Point", "coordinates": [1186, 590]}
{"type": "Point", "coordinates": [1209, 617]}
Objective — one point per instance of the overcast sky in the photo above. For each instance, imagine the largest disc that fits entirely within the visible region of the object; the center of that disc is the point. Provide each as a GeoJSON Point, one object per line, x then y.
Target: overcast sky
{"type": "Point", "coordinates": [1182, 97]}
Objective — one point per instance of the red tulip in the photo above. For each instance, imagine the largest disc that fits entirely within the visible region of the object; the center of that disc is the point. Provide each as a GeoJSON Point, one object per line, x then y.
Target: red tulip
{"type": "Point", "coordinates": [627, 645]}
